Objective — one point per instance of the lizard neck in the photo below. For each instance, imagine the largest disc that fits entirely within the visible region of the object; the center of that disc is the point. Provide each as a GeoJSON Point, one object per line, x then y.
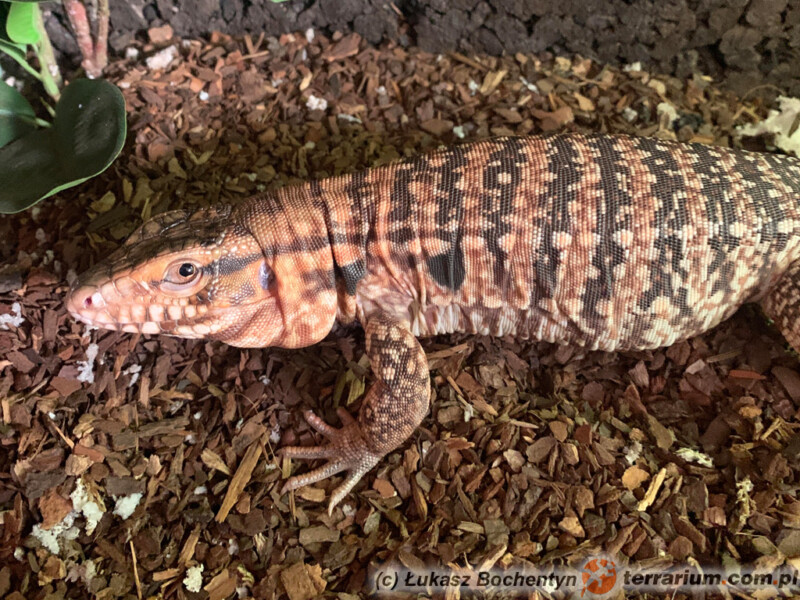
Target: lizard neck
{"type": "Point", "coordinates": [291, 229]}
{"type": "Point", "coordinates": [347, 203]}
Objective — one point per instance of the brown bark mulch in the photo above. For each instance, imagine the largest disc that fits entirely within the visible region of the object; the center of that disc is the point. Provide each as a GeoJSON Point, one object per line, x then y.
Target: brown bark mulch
{"type": "Point", "coordinates": [139, 466]}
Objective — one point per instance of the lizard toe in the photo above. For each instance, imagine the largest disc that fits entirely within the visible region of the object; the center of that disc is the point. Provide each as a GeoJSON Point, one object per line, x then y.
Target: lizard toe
{"type": "Point", "coordinates": [348, 484]}
{"type": "Point", "coordinates": [331, 468]}
{"type": "Point", "coordinates": [320, 425]}
{"type": "Point", "coordinates": [347, 450]}
{"type": "Point", "coordinates": [308, 452]}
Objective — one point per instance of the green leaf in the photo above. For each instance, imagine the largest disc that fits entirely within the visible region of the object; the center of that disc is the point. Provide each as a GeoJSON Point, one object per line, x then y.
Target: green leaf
{"type": "Point", "coordinates": [16, 115]}
{"type": "Point", "coordinates": [87, 134]}
{"type": "Point", "coordinates": [4, 8]}
{"type": "Point", "coordinates": [18, 54]}
{"type": "Point", "coordinates": [21, 23]}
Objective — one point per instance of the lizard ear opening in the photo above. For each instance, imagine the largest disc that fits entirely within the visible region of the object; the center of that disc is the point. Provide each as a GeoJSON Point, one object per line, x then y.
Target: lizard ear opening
{"type": "Point", "coordinates": [265, 276]}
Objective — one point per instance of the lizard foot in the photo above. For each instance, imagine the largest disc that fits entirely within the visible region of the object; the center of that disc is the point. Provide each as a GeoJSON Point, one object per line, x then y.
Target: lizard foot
{"type": "Point", "coordinates": [347, 451]}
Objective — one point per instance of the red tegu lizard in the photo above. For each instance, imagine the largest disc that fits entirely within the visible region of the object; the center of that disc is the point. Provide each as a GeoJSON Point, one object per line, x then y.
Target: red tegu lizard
{"type": "Point", "coordinates": [607, 242]}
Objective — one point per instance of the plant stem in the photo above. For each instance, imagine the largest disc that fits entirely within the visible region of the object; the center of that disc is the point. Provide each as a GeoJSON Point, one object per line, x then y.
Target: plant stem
{"type": "Point", "coordinates": [48, 68]}
{"type": "Point", "coordinates": [20, 60]}
{"type": "Point", "coordinates": [95, 56]}
{"type": "Point", "coordinates": [101, 44]}
{"type": "Point", "coordinates": [50, 110]}
{"type": "Point", "coordinates": [35, 121]}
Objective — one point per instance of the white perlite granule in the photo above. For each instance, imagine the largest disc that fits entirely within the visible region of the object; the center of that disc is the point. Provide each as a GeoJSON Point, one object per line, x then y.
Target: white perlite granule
{"type": "Point", "coordinates": [162, 58]}
{"type": "Point", "coordinates": [695, 456]}
{"type": "Point", "coordinates": [633, 451]}
{"type": "Point", "coordinates": [133, 371]}
{"type": "Point", "coordinates": [126, 505]}
{"type": "Point", "coordinates": [314, 103]}
{"type": "Point", "coordinates": [82, 503]}
{"type": "Point", "coordinates": [86, 367]}
{"type": "Point", "coordinates": [14, 318]}
{"type": "Point", "coordinates": [781, 123]}
{"type": "Point", "coordinates": [50, 538]}
{"type": "Point", "coordinates": [666, 111]}
{"type": "Point", "coordinates": [194, 578]}
{"type": "Point", "coordinates": [66, 530]}
{"type": "Point", "coordinates": [348, 118]}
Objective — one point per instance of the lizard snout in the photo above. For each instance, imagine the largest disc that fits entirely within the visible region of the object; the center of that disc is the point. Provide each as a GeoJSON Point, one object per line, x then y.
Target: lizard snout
{"type": "Point", "coordinates": [85, 298]}
{"type": "Point", "coordinates": [87, 304]}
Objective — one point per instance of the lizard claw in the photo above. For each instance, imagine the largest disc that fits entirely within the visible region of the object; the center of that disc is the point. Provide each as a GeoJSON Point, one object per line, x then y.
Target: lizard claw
{"type": "Point", "coordinates": [347, 451]}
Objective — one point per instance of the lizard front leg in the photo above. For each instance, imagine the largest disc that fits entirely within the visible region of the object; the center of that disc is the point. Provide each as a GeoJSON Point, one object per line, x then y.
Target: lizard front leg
{"type": "Point", "coordinates": [393, 408]}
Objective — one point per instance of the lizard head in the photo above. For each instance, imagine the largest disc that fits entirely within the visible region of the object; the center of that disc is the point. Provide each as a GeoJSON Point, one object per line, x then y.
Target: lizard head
{"type": "Point", "coordinates": [199, 275]}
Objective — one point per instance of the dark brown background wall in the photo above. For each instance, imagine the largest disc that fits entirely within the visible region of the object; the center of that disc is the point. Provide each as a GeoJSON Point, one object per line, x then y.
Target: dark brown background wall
{"type": "Point", "coordinates": [742, 42]}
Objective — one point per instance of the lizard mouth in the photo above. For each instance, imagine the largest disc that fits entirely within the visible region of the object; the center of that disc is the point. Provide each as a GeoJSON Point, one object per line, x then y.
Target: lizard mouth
{"type": "Point", "coordinates": [87, 304]}
{"type": "Point", "coordinates": [107, 307]}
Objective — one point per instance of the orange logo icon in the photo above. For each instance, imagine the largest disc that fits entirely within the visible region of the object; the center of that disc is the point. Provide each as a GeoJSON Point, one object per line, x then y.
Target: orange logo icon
{"type": "Point", "coordinates": [599, 576]}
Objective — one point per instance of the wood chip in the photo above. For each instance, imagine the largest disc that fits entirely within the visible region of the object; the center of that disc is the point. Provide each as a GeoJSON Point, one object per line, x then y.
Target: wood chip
{"type": "Point", "coordinates": [223, 585]}
{"type": "Point", "coordinates": [240, 479]}
{"type": "Point", "coordinates": [303, 582]}
{"type": "Point", "coordinates": [634, 476]}
{"type": "Point", "coordinates": [652, 491]}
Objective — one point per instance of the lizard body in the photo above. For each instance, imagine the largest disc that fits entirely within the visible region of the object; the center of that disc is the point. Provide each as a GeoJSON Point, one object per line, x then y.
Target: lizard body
{"type": "Point", "coordinates": [607, 242]}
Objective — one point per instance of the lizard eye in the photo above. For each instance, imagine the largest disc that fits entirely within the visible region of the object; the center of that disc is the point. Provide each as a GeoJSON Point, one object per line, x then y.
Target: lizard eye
{"type": "Point", "coordinates": [180, 275]}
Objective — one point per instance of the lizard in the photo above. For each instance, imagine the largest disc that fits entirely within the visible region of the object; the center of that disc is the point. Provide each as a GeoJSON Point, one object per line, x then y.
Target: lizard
{"type": "Point", "coordinates": [608, 242]}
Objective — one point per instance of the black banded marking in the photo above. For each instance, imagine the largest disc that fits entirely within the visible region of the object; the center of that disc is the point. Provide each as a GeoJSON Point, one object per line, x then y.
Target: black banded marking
{"type": "Point", "coordinates": [333, 228]}
{"type": "Point", "coordinates": [501, 178]}
{"type": "Point", "coordinates": [351, 274]}
{"type": "Point", "coordinates": [353, 234]}
{"type": "Point", "coordinates": [447, 267]}
{"type": "Point", "coordinates": [316, 282]}
{"type": "Point", "coordinates": [787, 169]}
{"type": "Point", "coordinates": [361, 192]}
{"type": "Point", "coordinates": [721, 212]}
{"type": "Point", "coordinates": [552, 215]}
{"type": "Point", "coordinates": [669, 223]}
{"type": "Point", "coordinates": [612, 216]}
{"type": "Point", "coordinates": [402, 216]}
{"type": "Point", "coordinates": [766, 199]}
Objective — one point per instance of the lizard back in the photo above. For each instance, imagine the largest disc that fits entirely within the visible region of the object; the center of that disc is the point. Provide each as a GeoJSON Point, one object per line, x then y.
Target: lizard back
{"type": "Point", "coordinates": [610, 242]}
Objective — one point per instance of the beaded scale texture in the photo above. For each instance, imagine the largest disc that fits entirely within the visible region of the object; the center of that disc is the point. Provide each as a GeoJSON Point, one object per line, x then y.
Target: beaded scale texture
{"type": "Point", "coordinates": [606, 242]}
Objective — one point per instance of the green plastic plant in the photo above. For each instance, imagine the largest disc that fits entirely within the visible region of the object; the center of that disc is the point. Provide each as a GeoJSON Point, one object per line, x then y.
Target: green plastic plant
{"type": "Point", "coordinates": [39, 158]}
{"type": "Point", "coordinates": [22, 26]}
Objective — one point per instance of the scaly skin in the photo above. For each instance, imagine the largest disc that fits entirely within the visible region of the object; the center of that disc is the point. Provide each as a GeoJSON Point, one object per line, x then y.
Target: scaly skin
{"type": "Point", "coordinates": [607, 242]}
